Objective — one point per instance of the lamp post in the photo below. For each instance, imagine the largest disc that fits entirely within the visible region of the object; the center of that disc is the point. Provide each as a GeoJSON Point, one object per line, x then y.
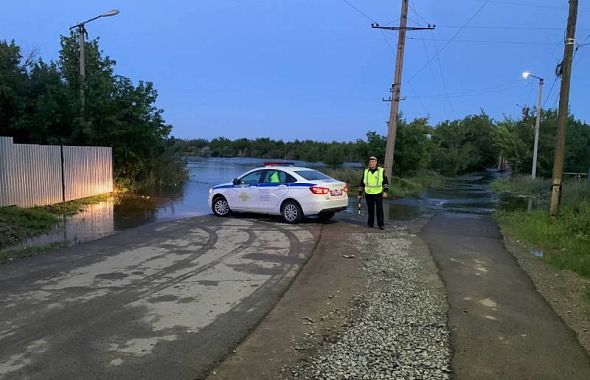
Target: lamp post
{"type": "Point", "coordinates": [525, 75]}
{"type": "Point", "coordinates": [82, 32]}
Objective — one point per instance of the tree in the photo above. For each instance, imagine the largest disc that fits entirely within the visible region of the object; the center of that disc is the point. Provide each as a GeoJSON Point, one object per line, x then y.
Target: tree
{"type": "Point", "coordinates": [412, 148]}
{"type": "Point", "coordinates": [40, 103]}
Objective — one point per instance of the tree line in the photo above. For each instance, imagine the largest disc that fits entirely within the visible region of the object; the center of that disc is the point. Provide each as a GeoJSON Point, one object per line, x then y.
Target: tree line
{"type": "Point", "coordinates": [455, 147]}
{"type": "Point", "coordinates": [40, 103]}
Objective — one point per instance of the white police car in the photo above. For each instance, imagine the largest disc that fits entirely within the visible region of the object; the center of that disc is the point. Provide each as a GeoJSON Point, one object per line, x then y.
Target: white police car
{"type": "Point", "coordinates": [281, 189]}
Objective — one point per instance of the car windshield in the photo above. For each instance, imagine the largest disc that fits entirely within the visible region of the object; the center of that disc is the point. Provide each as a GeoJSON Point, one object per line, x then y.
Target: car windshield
{"type": "Point", "coordinates": [312, 175]}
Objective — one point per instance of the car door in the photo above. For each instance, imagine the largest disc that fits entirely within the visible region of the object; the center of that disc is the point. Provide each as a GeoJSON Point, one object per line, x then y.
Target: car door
{"type": "Point", "coordinates": [244, 196]}
{"type": "Point", "coordinates": [273, 189]}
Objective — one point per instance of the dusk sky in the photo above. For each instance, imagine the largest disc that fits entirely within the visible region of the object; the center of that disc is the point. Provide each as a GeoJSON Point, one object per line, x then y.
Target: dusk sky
{"type": "Point", "coordinates": [315, 68]}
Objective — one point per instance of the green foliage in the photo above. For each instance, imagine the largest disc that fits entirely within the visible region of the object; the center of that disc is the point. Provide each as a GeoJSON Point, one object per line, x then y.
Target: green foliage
{"type": "Point", "coordinates": [463, 146]}
{"type": "Point", "coordinates": [565, 239]}
{"type": "Point", "coordinates": [514, 141]}
{"type": "Point", "coordinates": [522, 185]}
{"type": "Point", "coordinates": [412, 149]}
{"type": "Point", "coordinates": [414, 185]}
{"type": "Point", "coordinates": [7, 256]}
{"type": "Point", "coordinates": [18, 223]}
{"type": "Point", "coordinates": [40, 103]}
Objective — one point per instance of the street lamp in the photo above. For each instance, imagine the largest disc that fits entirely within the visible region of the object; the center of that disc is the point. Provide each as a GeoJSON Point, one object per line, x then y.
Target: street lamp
{"type": "Point", "coordinates": [82, 32]}
{"type": "Point", "coordinates": [525, 75]}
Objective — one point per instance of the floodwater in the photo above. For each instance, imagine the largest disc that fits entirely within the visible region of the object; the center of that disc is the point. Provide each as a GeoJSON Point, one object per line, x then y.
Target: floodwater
{"type": "Point", "coordinates": [462, 194]}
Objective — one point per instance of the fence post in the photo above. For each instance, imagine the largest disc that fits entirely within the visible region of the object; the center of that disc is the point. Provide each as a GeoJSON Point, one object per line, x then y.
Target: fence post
{"type": "Point", "coordinates": [63, 179]}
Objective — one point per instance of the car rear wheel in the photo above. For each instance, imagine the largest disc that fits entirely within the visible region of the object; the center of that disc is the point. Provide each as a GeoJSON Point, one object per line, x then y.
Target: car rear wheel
{"type": "Point", "coordinates": [220, 207]}
{"type": "Point", "coordinates": [291, 212]}
{"type": "Point", "coordinates": [326, 216]}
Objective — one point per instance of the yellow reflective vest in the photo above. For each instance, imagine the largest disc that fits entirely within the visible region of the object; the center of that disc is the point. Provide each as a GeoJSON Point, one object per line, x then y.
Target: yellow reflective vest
{"type": "Point", "coordinates": [373, 181]}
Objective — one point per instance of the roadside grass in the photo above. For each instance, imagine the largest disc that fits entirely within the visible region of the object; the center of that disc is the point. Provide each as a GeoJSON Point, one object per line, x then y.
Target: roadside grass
{"type": "Point", "coordinates": [401, 187]}
{"type": "Point", "coordinates": [521, 185]}
{"type": "Point", "coordinates": [11, 255]}
{"type": "Point", "coordinates": [17, 223]}
{"type": "Point", "coordinates": [564, 239]}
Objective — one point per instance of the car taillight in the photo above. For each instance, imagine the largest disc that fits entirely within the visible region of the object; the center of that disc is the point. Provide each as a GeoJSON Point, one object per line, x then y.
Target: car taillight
{"type": "Point", "coordinates": [319, 190]}
{"type": "Point", "coordinates": [345, 188]}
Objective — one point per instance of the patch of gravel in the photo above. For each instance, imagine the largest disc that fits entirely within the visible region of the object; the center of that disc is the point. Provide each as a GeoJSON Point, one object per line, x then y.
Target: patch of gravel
{"type": "Point", "coordinates": [397, 325]}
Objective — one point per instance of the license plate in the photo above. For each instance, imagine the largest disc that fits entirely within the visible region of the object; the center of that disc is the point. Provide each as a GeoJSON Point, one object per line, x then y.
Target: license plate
{"type": "Point", "coordinates": [335, 192]}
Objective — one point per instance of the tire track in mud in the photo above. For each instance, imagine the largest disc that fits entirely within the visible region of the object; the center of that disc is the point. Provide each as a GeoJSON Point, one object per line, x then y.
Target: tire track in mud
{"type": "Point", "coordinates": [92, 310]}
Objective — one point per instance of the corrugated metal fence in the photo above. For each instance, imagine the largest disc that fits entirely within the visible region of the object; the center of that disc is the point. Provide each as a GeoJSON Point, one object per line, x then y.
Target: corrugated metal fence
{"type": "Point", "coordinates": [33, 175]}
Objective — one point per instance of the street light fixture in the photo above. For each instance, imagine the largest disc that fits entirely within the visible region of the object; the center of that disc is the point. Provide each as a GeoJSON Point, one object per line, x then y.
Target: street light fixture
{"type": "Point", "coordinates": [82, 32]}
{"type": "Point", "coordinates": [525, 75]}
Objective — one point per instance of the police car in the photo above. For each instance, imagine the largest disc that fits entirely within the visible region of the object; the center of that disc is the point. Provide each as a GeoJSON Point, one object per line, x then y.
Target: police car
{"type": "Point", "coordinates": [281, 189]}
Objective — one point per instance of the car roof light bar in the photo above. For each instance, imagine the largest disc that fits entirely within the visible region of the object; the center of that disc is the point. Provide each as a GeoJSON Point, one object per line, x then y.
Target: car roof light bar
{"type": "Point", "coordinates": [279, 163]}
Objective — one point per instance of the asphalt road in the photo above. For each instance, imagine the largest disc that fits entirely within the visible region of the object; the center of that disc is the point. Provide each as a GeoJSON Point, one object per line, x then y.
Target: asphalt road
{"type": "Point", "coordinates": [164, 301]}
{"type": "Point", "coordinates": [501, 328]}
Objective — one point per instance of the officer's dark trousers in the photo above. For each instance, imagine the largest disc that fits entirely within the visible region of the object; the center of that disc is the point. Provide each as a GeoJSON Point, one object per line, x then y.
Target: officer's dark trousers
{"type": "Point", "coordinates": [375, 201]}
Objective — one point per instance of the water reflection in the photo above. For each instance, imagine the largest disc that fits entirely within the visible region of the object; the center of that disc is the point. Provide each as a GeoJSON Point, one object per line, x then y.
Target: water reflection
{"type": "Point", "coordinates": [94, 222]}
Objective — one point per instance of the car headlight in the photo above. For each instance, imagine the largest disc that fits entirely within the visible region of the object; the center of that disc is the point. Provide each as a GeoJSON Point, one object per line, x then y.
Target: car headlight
{"type": "Point", "coordinates": [210, 190]}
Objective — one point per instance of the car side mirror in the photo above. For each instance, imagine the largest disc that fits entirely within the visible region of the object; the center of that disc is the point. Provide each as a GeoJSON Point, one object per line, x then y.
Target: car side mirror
{"type": "Point", "coordinates": [236, 181]}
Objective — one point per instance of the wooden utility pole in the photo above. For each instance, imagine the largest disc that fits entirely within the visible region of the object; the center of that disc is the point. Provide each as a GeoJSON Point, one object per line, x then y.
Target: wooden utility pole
{"type": "Point", "coordinates": [397, 82]}
{"type": "Point", "coordinates": [562, 116]}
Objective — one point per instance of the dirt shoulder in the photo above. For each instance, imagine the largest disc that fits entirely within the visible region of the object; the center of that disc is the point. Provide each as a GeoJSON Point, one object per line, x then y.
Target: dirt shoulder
{"type": "Point", "coordinates": [567, 292]}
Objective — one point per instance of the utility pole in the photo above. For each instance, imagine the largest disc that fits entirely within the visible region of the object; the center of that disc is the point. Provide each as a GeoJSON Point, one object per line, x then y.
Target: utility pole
{"type": "Point", "coordinates": [82, 32]}
{"type": "Point", "coordinates": [562, 115]}
{"type": "Point", "coordinates": [397, 82]}
{"type": "Point", "coordinates": [537, 125]}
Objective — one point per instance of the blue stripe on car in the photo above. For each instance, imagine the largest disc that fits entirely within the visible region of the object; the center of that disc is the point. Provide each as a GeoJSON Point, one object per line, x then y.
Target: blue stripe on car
{"type": "Point", "coordinates": [268, 185]}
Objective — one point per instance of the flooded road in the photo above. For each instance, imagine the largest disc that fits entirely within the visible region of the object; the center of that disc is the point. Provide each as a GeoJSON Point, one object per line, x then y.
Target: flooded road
{"type": "Point", "coordinates": [466, 194]}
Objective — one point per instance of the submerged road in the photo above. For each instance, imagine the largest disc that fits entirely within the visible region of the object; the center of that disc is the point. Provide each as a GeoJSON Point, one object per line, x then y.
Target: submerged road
{"type": "Point", "coordinates": [164, 301]}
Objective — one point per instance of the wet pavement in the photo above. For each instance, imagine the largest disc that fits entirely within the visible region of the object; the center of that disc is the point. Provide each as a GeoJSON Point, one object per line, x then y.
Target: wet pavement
{"type": "Point", "coordinates": [162, 301]}
{"type": "Point", "coordinates": [501, 328]}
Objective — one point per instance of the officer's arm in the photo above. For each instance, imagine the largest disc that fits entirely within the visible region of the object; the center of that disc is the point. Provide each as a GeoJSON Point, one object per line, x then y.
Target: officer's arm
{"type": "Point", "coordinates": [361, 185]}
{"type": "Point", "coordinates": [385, 185]}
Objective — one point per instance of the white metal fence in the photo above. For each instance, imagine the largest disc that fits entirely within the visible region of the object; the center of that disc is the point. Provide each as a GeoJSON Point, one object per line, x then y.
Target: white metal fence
{"type": "Point", "coordinates": [35, 175]}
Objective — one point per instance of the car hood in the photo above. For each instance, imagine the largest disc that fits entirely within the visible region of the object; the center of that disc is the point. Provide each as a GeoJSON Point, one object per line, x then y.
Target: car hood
{"type": "Point", "coordinates": [223, 185]}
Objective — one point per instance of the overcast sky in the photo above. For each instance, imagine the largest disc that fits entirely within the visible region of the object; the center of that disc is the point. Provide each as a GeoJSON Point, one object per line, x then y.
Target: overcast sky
{"type": "Point", "coordinates": [314, 68]}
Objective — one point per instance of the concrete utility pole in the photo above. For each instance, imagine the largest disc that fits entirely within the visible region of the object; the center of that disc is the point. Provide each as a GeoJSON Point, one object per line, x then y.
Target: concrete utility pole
{"type": "Point", "coordinates": [525, 75]}
{"type": "Point", "coordinates": [562, 116]}
{"type": "Point", "coordinates": [82, 32]}
{"type": "Point", "coordinates": [397, 82]}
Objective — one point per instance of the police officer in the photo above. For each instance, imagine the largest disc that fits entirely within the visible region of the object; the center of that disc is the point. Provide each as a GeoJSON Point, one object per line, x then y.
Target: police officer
{"type": "Point", "coordinates": [375, 185]}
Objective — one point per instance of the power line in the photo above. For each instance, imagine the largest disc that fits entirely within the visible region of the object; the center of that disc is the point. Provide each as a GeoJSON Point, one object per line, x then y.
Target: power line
{"type": "Point", "coordinates": [482, 91]}
{"type": "Point", "coordinates": [489, 41]}
{"type": "Point", "coordinates": [529, 5]}
{"type": "Point", "coordinates": [550, 91]}
{"type": "Point", "coordinates": [449, 42]}
{"type": "Point", "coordinates": [500, 27]}
{"type": "Point", "coordinates": [360, 11]}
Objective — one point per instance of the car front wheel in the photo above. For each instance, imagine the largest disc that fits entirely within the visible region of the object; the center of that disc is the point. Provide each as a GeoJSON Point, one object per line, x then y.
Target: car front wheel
{"type": "Point", "coordinates": [220, 207]}
{"type": "Point", "coordinates": [291, 212]}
